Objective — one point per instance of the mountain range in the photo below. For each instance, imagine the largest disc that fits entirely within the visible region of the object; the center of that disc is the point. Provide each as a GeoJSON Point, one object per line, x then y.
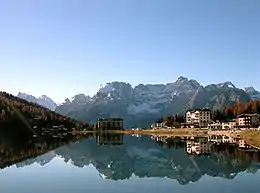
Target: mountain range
{"type": "Point", "coordinates": [252, 93]}
{"type": "Point", "coordinates": [44, 100]}
{"type": "Point", "coordinates": [143, 104]}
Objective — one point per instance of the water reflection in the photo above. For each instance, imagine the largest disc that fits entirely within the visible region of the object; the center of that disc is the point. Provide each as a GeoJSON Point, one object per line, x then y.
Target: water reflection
{"type": "Point", "coordinates": [119, 157]}
{"type": "Point", "coordinates": [109, 139]}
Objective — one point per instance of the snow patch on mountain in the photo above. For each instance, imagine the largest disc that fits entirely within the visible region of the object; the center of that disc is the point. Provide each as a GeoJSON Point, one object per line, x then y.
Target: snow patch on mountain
{"type": "Point", "coordinates": [227, 84]}
{"type": "Point", "coordinates": [152, 106]}
{"type": "Point", "coordinates": [106, 88]}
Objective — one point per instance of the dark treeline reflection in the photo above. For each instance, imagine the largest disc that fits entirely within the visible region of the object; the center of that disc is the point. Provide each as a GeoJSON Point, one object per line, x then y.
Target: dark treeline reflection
{"type": "Point", "coordinates": [17, 145]}
{"type": "Point", "coordinates": [118, 157]}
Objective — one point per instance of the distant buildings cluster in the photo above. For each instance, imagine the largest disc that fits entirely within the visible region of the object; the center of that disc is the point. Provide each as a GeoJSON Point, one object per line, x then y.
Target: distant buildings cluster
{"type": "Point", "coordinates": [158, 125]}
{"type": "Point", "coordinates": [240, 122]}
{"type": "Point", "coordinates": [202, 118]}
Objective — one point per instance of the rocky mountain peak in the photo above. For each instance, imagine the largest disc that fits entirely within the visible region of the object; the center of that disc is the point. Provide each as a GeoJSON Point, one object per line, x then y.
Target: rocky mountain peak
{"type": "Point", "coordinates": [195, 83]}
{"type": "Point", "coordinates": [227, 84]}
{"type": "Point", "coordinates": [251, 90]}
{"type": "Point", "coordinates": [254, 94]}
{"type": "Point", "coordinates": [106, 88]}
{"type": "Point", "coordinates": [112, 86]}
{"type": "Point", "coordinates": [81, 99]}
{"type": "Point", "coordinates": [182, 80]}
{"type": "Point", "coordinates": [67, 101]}
{"type": "Point", "coordinates": [185, 86]}
{"type": "Point", "coordinates": [27, 96]}
{"type": "Point", "coordinates": [44, 100]}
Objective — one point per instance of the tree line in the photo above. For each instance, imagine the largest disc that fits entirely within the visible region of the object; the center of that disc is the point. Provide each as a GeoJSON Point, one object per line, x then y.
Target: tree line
{"type": "Point", "coordinates": [172, 120]}
{"type": "Point", "coordinates": [14, 150]}
{"type": "Point", "coordinates": [231, 112]}
{"type": "Point", "coordinates": [14, 109]}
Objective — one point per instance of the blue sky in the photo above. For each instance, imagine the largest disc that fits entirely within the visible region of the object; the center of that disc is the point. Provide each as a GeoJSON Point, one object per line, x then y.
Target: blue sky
{"type": "Point", "coordinates": [64, 47]}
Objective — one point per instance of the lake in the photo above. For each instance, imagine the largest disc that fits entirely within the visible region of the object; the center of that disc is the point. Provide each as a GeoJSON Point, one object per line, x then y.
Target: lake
{"type": "Point", "coordinates": [123, 163]}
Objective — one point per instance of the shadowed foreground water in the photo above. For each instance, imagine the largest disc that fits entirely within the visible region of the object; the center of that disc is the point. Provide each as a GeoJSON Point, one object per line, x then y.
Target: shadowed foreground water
{"type": "Point", "coordinates": [117, 163]}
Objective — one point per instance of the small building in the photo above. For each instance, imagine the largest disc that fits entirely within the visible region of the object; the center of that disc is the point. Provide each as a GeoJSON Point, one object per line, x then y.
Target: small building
{"type": "Point", "coordinates": [158, 125]}
{"type": "Point", "coordinates": [189, 125]}
{"type": "Point", "coordinates": [248, 120]}
{"type": "Point", "coordinates": [198, 116]}
{"type": "Point", "coordinates": [215, 126]}
{"type": "Point", "coordinates": [107, 124]}
{"type": "Point", "coordinates": [229, 124]}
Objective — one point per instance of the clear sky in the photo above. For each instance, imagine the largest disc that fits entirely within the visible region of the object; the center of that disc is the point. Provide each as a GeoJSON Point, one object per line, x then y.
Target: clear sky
{"type": "Point", "coordinates": [64, 47]}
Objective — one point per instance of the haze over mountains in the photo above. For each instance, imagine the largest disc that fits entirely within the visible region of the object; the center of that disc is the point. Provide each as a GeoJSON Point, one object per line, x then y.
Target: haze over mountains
{"type": "Point", "coordinates": [142, 104]}
{"type": "Point", "coordinates": [252, 92]}
{"type": "Point", "coordinates": [44, 100]}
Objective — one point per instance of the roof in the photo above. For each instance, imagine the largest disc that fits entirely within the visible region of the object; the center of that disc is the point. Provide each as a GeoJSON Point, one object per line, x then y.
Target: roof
{"type": "Point", "coordinates": [229, 120]}
{"type": "Point", "coordinates": [204, 109]}
{"type": "Point", "coordinates": [248, 115]}
{"type": "Point", "coordinates": [189, 123]}
{"type": "Point", "coordinates": [215, 123]}
{"type": "Point", "coordinates": [110, 119]}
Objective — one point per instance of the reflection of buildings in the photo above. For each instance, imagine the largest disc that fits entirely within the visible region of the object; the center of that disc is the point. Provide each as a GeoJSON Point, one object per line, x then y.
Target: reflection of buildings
{"type": "Point", "coordinates": [105, 124]}
{"type": "Point", "coordinates": [159, 138]}
{"type": "Point", "coordinates": [170, 142]}
{"type": "Point", "coordinates": [198, 146]}
{"type": "Point", "coordinates": [110, 139]}
{"type": "Point", "coordinates": [221, 139]}
{"type": "Point", "coordinates": [242, 144]}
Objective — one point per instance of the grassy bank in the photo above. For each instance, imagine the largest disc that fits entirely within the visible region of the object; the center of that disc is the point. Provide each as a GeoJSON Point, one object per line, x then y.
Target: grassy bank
{"type": "Point", "coordinates": [252, 138]}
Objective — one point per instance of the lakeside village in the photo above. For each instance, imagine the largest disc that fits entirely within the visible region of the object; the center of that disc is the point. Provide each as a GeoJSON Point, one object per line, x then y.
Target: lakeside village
{"type": "Point", "coordinates": [195, 119]}
{"type": "Point", "coordinates": [198, 119]}
{"type": "Point", "coordinates": [201, 119]}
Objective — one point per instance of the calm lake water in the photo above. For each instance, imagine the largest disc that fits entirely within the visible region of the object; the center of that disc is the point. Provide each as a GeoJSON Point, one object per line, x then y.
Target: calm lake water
{"type": "Point", "coordinates": [120, 163]}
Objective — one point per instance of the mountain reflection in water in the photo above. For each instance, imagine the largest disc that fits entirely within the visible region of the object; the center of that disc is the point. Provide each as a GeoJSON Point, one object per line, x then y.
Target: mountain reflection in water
{"type": "Point", "coordinates": [118, 157]}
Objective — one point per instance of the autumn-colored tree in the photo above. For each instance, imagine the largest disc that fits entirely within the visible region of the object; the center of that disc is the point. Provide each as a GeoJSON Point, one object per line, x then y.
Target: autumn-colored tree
{"type": "Point", "coordinates": [255, 106]}
{"type": "Point", "coordinates": [180, 119]}
{"type": "Point", "coordinates": [169, 120]}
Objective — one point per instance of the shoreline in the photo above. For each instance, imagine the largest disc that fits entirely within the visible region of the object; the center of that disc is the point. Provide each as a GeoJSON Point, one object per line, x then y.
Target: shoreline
{"type": "Point", "coordinates": [250, 136]}
{"type": "Point", "coordinates": [164, 132]}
